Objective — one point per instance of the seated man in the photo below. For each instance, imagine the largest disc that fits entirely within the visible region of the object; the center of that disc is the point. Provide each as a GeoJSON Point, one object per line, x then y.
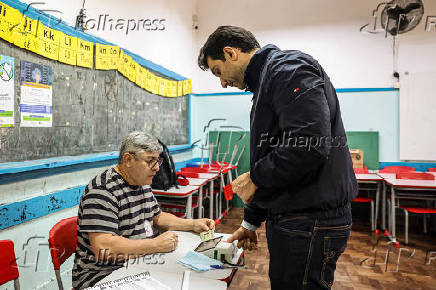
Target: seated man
{"type": "Point", "coordinates": [118, 213]}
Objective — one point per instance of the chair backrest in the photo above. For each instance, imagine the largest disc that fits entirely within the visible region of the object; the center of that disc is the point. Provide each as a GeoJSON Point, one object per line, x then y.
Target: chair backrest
{"type": "Point", "coordinates": [397, 169]}
{"type": "Point", "coordinates": [62, 240]}
{"type": "Point", "coordinates": [431, 170]}
{"type": "Point", "coordinates": [8, 263]}
{"type": "Point", "coordinates": [415, 175]}
{"type": "Point", "coordinates": [362, 170]}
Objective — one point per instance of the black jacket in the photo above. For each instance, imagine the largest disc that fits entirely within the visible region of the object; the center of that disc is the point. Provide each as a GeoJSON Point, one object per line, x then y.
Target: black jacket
{"type": "Point", "coordinates": [299, 158]}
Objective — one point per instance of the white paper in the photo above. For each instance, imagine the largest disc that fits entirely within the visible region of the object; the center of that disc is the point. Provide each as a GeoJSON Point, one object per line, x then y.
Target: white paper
{"type": "Point", "coordinates": [7, 74]}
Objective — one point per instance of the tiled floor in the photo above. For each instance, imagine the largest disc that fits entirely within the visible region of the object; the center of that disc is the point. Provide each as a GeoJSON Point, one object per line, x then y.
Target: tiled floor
{"type": "Point", "coordinates": [356, 268]}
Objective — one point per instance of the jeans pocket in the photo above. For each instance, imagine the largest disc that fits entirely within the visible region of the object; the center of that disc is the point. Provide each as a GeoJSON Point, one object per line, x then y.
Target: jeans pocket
{"type": "Point", "coordinates": [334, 246]}
{"type": "Point", "coordinates": [301, 226]}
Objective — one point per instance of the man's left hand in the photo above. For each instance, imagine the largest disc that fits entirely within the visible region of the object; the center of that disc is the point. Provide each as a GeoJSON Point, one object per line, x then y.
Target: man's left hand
{"type": "Point", "coordinates": [244, 187]}
{"type": "Point", "coordinates": [202, 225]}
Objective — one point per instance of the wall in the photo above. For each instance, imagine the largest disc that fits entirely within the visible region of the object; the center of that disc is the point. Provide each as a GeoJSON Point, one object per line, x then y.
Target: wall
{"type": "Point", "coordinates": [171, 48]}
{"type": "Point", "coordinates": [361, 111]}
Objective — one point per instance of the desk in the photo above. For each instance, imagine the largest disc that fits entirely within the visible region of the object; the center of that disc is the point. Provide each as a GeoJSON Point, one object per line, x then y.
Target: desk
{"type": "Point", "coordinates": [405, 184]}
{"type": "Point", "coordinates": [187, 241]}
{"type": "Point", "coordinates": [181, 192]}
{"type": "Point", "coordinates": [372, 178]}
{"type": "Point", "coordinates": [172, 280]}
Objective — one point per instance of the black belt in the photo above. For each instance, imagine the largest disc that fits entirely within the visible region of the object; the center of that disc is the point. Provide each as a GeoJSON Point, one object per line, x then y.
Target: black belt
{"type": "Point", "coordinates": [324, 214]}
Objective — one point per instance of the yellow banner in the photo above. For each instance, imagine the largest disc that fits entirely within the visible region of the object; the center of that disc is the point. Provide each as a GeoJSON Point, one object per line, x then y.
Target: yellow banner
{"type": "Point", "coordinates": [27, 27]}
{"type": "Point", "coordinates": [123, 65]}
{"type": "Point", "coordinates": [187, 87]}
{"type": "Point", "coordinates": [156, 84]}
{"type": "Point", "coordinates": [162, 87]}
{"type": "Point", "coordinates": [179, 89]}
{"type": "Point", "coordinates": [133, 70]}
{"type": "Point", "coordinates": [106, 56]}
{"type": "Point", "coordinates": [172, 89]}
{"type": "Point", "coordinates": [10, 18]}
{"type": "Point", "coordinates": [48, 41]}
{"type": "Point", "coordinates": [85, 53]}
{"type": "Point", "coordinates": [67, 49]}
{"type": "Point", "coordinates": [148, 81]}
{"type": "Point", "coordinates": [141, 78]}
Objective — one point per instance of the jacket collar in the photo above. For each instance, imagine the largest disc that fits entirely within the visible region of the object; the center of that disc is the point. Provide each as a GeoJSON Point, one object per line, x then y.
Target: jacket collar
{"type": "Point", "coordinates": [254, 68]}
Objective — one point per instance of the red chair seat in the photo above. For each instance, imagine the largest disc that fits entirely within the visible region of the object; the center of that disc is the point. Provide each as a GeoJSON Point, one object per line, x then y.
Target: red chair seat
{"type": "Point", "coordinates": [397, 169]}
{"type": "Point", "coordinates": [415, 175]}
{"type": "Point", "coordinates": [431, 170]}
{"type": "Point", "coordinates": [420, 210]}
{"type": "Point", "coordinates": [362, 170]}
{"type": "Point", "coordinates": [8, 263]}
{"type": "Point", "coordinates": [62, 240]}
{"type": "Point", "coordinates": [362, 199]}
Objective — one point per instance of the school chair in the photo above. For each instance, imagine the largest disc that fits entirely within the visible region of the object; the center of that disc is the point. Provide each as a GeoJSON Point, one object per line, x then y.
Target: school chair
{"type": "Point", "coordinates": [364, 170]}
{"type": "Point", "coordinates": [396, 169]}
{"type": "Point", "coordinates": [8, 264]}
{"type": "Point", "coordinates": [431, 170]}
{"type": "Point", "coordinates": [62, 240]}
{"type": "Point", "coordinates": [415, 210]}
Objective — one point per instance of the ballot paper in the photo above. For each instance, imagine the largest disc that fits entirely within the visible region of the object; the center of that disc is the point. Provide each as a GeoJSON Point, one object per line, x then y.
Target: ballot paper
{"type": "Point", "coordinates": [208, 235]}
{"type": "Point", "coordinates": [141, 281]}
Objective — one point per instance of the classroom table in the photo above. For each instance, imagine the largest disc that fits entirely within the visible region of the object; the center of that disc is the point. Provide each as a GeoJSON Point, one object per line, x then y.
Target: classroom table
{"type": "Point", "coordinates": [184, 192]}
{"type": "Point", "coordinates": [172, 280]}
{"type": "Point", "coordinates": [187, 241]}
{"type": "Point", "coordinates": [403, 185]}
{"type": "Point", "coordinates": [372, 178]}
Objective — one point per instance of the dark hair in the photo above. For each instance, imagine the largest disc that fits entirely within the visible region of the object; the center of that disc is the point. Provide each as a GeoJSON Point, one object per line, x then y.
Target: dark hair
{"type": "Point", "coordinates": [226, 36]}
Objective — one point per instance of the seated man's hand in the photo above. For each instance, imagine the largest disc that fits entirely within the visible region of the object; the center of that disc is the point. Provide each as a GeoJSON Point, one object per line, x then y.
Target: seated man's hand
{"type": "Point", "coordinates": [244, 187]}
{"type": "Point", "coordinates": [202, 225]}
{"type": "Point", "coordinates": [166, 242]}
{"type": "Point", "coordinates": [246, 239]}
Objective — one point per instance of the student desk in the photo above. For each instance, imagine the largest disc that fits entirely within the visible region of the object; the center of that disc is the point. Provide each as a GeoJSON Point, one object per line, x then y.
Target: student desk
{"type": "Point", "coordinates": [183, 192]}
{"type": "Point", "coordinates": [372, 178]}
{"type": "Point", "coordinates": [403, 185]}
{"type": "Point", "coordinates": [187, 241]}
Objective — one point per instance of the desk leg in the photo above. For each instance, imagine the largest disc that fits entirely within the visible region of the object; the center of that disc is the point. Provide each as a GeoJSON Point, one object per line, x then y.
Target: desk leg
{"type": "Point", "coordinates": [384, 207]}
{"type": "Point", "coordinates": [393, 214]}
{"type": "Point", "coordinates": [211, 199]}
{"type": "Point", "coordinates": [377, 203]}
{"type": "Point", "coordinates": [189, 207]}
{"type": "Point", "coordinates": [200, 202]}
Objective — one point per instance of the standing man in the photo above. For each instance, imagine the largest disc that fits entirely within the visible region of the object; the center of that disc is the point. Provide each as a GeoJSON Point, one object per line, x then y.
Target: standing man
{"type": "Point", "coordinates": [301, 178]}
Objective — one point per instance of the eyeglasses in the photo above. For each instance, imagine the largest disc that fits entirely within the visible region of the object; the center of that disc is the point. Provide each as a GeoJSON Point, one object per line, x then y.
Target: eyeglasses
{"type": "Point", "coordinates": [152, 162]}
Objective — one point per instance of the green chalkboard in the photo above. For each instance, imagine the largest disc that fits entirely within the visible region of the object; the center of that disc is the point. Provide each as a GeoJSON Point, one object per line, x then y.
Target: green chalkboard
{"type": "Point", "coordinates": [236, 137]}
{"type": "Point", "coordinates": [368, 142]}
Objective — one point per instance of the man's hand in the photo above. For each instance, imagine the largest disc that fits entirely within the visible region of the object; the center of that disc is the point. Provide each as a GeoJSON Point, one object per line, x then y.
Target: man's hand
{"type": "Point", "coordinates": [201, 225]}
{"type": "Point", "coordinates": [244, 187]}
{"type": "Point", "coordinates": [166, 242]}
{"type": "Point", "coordinates": [246, 239]}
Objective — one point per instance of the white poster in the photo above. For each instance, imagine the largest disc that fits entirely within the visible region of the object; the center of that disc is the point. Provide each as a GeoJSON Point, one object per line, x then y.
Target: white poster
{"type": "Point", "coordinates": [36, 107]}
{"type": "Point", "coordinates": [6, 91]}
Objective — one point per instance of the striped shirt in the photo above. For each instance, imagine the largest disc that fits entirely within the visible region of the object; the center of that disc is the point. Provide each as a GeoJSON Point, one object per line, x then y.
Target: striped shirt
{"type": "Point", "coordinates": [110, 205]}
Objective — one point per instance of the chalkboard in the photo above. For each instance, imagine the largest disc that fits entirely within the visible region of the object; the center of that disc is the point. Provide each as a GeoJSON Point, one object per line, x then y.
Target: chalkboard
{"type": "Point", "coordinates": [92, 111]}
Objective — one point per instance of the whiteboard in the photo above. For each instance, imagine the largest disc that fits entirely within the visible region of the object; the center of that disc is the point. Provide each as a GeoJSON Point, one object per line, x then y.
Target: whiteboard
{"type": "Point", "coordinates": [418, 116]}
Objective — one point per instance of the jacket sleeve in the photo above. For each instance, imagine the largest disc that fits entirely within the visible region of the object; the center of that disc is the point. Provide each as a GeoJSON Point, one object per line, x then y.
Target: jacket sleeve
{"type": "Point", "coordinates": [254, 215]}
{"type": "Point", "coordinates": [303, 116]}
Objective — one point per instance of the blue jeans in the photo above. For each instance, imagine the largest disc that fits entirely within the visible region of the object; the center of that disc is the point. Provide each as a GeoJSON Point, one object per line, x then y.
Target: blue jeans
{"type": "Point", "coordinates": [304, 250]}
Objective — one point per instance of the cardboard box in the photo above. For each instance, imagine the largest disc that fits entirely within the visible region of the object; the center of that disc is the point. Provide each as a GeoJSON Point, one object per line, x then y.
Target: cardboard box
{"type": "Point", "coordinates": [357, 158]}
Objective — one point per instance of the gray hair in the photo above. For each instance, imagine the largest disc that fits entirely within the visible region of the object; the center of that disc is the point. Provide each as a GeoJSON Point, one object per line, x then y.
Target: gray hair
{"type": "Point", "coordinates": [137, 142]}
